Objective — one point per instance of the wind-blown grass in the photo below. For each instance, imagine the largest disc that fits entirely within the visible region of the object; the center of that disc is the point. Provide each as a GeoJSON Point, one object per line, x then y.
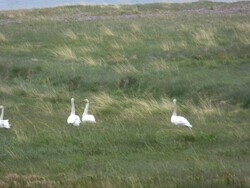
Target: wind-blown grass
{"type": "Point", "coordinates": [130, 62]}
{"type": "Point", "coordinates": [65, 53]}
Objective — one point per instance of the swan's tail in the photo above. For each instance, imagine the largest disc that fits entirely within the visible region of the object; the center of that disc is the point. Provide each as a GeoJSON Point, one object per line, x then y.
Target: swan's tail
{"type": "Point", "coordinates": [190, 126]}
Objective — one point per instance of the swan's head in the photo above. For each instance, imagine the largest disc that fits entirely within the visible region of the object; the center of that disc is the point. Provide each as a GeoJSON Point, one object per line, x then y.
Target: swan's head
{"type": "Point", "coordinates": [86, 100]}
{"type": "Point", "coordinates": [72, 99]}
{"type": "Point", "coordinates": [1, 106]}
{"type": "Point", "coordinates": [174, 100]}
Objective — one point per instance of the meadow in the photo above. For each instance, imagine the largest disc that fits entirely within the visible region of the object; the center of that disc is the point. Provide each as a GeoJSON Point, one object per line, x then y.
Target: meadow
{"type": "Point", "coordinates": [130, 62]}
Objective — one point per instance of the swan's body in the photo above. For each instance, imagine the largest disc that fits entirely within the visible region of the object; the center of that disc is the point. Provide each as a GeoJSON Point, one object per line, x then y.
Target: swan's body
{"type": "Point", "coordinates": [179, 120]}
{"type": "Point", "coordinates": [3, 123]}
{"type": "Point", "coordinates": [85, 116]}
{"type": "Point", "coordinates": [73, 118]}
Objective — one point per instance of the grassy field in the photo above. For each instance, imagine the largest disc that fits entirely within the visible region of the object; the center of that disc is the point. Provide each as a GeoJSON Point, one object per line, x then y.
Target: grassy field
{"type": "Point", "coordinates": [130, 62]}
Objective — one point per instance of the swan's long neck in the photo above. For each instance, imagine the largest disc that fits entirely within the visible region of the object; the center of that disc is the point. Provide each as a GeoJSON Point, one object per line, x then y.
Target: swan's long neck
{"type": "Point", "coordinates": [2, 112]}
{"type": "Point", "coordinates": [73, 111]}
{"type": "Point", "coordinates": [86, 109]}
{"type": "Point", "coordinates": [174, 112]}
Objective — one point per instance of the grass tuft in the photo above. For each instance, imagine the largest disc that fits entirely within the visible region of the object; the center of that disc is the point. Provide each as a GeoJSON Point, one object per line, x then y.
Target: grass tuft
{"type": "Point", "coordinates": [125, 68]}
{"type": "Point", "coordinates": [70, 34]}
{"type": "Point", "coordinates": [64, 52]}
{"type": "Point", "coordinates": [107, 31]}
{"type": "Point", "coordinates": [205, 37]}
{"type": "Point", "coordinates": [3, 37]}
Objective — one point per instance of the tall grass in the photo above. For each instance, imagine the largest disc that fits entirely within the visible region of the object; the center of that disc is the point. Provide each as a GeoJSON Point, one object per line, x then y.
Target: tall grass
{"type": "Point", "coordinates": [130, 67]}
{"type": "Point", "coordinates": [65, 53]}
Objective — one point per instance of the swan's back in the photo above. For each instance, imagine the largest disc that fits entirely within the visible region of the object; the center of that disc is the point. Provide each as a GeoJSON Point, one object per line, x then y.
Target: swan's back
{"type": "Point", "coordinates": [88, 118]}
{"type": "Point", "coordinates": [5, 124]}
{"type": "Point", "coordinates": [179, 120]}
{"type": "Point", "coordinates": [74, 119]}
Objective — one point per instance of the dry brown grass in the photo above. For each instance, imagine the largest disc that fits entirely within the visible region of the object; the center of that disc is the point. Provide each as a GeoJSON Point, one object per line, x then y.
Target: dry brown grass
{"type": "Point", "coordinates": [242, 32]}
{"type": "Point", "coordinates": [205, 37]}
{"type": "Point", "coordinates": [206, 107]}
{"type": "Point", "coordinates": [98, 39]}
{"type": "Point", "coordinates": [131, 108]}
{"type": "Point", "coordinates": [3, 37]}
{"type": "Point", "coordinates": [90, 61]}
{"type": "Point", "coordinates": [135, 28]}
{"type": "Point", "coordinates": [106, 31]}
{"type": "Point", "coordinates": [116, 46]}
{"type": "Point", "coordinates": [160, 65]}
{"type": "Point", "coordinates": [64, 52]}
{"type": "Point", "coordinates": [125, 68]}
{"type": "Point", "coordinates": [70, 34]}
{"type": "Point", "coordinates": [129, 38]}
{"type": "Point", "coordinates": [118, 58]}
{"type": "Point", "coordinates": [16, 180]}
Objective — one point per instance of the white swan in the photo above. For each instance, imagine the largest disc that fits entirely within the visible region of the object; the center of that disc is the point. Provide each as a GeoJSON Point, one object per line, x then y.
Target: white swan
{"type": "Point", "coordinates": [73, 118]}
{"type": "Point", "coordinates": [85, 116]}
{"type": "Point", "coordinates": [179, 120]}
{"type": "Point", "coordinates": [3, 123]}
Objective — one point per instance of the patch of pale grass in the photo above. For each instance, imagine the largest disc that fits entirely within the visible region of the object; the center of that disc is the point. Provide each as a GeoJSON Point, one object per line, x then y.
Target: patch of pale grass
{"type": "Point", "coordinates": [129, 38]}
{"type": "Point", "coordinates": [3, 37]}
{"type": "Point", "coordinates": [118, 58]}
{"type": "Point", "coordinates": [206, 107]}
{"type": "Point", "coordinates": [70, 34]}
{"type": "Point", "coordinates": [135, 27]}
{"type": "Point", "coordinates": [135, 181]}
{"type": "Point", "coordinates": [167, 45]}
{"type": "Point", "coordinates": [159, 65]}
{"type": "Point", "coordinates": [182, 44]}
{"type": "Point", "coordinates": [103, 101]}
{"type": "Point", "coordinates": [244, 38]}
{"type": "Point", "coordinates": [6, 89]}
{"type": "Point", "coordinates": [21, 136]}
{"type": "Point", "coordinates": [23, 47]}
{"type": "Point", "coordinates": [116, 46]}
{"type": "Point", "coordinates": [64, 52]}
{"type": "Point", "coordinates": [244, 27]}
{"type": "Point", "coordinates": [90, 61]}
{"type": "Point", "coordinates": [11, 153]}
{"type": "Point", "coordinates": [242, 32]}
{"type": "Point", "coordinates": [125, 68]}
{"type": "Point", "coordinates": [45, 107]}
{"type": "Point", "coordinates": [171, 45]}
{"type": "Point", "coordinates": [97, 39]}
{"type": "Point", "coordinates": [205, 37]}
{"type": "Point", "coordinates": [16, 14]}
{"type": "Point", "coordinates": [107, 31]}
{"type": "Point", "coordinates": [139, 108]}
{"type": "Point", "coordinates": [27, 180]}
{"type": "Point", "coordinates": [88, 49]}
{"type": "Point", "coordinates": [131, 108]}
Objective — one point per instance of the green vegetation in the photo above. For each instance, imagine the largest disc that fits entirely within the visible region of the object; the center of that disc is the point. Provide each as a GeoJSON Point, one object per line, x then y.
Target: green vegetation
{"type": "Point", "coordinates": [130, 62]}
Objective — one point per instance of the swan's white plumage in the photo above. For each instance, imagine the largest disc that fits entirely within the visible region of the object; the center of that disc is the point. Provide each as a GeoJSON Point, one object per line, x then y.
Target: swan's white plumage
{"type": "Point", "coordinates": [179, 120]}
{"type": "Point", "coordinates": [85, 116]}
{"type": "Point", "coordinates": [3, 123]}
{"type": "Point", "coordinates": [73, 118]}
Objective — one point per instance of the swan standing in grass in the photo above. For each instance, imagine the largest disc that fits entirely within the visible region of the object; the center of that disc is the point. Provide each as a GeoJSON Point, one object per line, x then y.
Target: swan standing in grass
{"type": "Point", "coordinates": [3, 123]}
{"type": "Point", "coordinates": [85, 116]}
{"type": "Point", "coordinates": [73, 118]}
{"type": "Point", "coordinates": [179, 120]}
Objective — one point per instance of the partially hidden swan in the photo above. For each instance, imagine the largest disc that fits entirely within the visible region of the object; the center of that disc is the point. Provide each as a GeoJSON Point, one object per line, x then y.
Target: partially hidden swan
{"type": "Point", "coordinates": [73, 118]}
{"type": "Point", "coordinates": [3, 123]}
{"type": "Point", "coordinates": [85, 116]}
{"type": "Point", "coordinates": [179, 120]}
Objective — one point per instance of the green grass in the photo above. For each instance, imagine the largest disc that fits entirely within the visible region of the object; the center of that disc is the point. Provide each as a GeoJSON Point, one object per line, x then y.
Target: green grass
{"type": "Point", "coordinates": [130, 62]}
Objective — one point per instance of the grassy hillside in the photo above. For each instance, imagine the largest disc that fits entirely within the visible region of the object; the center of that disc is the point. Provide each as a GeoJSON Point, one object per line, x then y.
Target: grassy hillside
{"type": "Point", "coordinates": [130, 62]}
